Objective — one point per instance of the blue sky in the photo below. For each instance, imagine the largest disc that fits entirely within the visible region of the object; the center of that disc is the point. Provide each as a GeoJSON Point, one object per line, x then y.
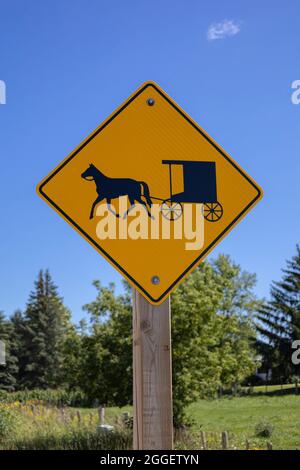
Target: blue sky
{"type": "Point", "coordinates": [68, 64]}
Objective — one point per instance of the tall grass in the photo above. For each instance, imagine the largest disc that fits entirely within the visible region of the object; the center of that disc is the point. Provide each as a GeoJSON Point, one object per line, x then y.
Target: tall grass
{"type": "Point", "coordinates": [34, 425]}
{"type": "Point", "coordinates": [79, 439]}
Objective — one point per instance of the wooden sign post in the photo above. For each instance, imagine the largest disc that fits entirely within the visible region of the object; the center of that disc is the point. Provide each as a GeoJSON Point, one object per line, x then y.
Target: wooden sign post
{"type": "Point", "coordinates": [152, 375]}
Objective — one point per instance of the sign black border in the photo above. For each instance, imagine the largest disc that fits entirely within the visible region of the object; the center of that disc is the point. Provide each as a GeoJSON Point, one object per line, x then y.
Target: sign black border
{"type": "Point", "coordinates": [65, 162]}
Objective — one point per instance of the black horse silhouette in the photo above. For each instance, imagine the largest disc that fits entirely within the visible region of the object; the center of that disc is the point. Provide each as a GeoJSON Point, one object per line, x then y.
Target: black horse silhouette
{"type": "Point", "coordinates": [111, 188]}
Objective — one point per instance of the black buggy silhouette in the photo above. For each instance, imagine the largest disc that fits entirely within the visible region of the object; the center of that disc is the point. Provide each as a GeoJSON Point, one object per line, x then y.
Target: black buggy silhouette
{"type": "Point", "coordinates": [200, 186]}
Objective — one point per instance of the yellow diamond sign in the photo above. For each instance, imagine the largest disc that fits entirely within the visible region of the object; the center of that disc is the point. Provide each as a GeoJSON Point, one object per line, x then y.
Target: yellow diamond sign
{"type": "Point", "coordinates": [151, 191]}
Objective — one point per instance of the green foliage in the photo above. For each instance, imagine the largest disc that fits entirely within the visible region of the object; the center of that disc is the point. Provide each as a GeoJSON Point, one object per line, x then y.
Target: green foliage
{"type": "Point", "coordinates": [212, 332]}
{"type": "Point", "coordinates": [294, 379]}
{"type": "Point", "coordinates": [59, 397]}
{"type": "Point", "coordinates": [127, 421]}
{"type": "Point", "coordinates": [279, 322]}
{"type": "Point", "coordinates": [72, 352]}
{"type": "Point", "coordinates": [7, 421]}
{"type": "Point", "coordinates": [212, 337]}
{"type": "Point", "coordinates": [264, 429]}
{"type": "Point", "coordinates": [17, 346]}
{"type": "Point", "coordinates": [212, 340]}
{"type": "Point", "coordinates": [45, 324]}
{"type": "Point", "coordinates": [106, 370]}
{"type": "Point", "coordinates": [79, 439]}
{"type": "Point", "coordinates": [9, 370]}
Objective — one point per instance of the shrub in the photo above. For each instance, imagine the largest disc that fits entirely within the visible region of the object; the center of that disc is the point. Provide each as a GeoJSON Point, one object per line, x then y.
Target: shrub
{"type": "Point", "coordinates": [294, 379]}
{"type": "Point", "coordinates": [264, 429]}
{"type": "Point", "coordinates": [49, 397]}
{"type": "Point", "coordinates": [127, 421]}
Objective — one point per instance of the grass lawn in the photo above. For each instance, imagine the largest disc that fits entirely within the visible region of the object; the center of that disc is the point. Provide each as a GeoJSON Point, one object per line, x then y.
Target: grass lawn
{"type": "Point", "coordinates": [239, 416]}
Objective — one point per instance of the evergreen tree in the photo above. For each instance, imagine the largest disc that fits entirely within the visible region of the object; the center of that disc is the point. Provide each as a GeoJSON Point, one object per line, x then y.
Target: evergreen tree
{"type": "Point", "coordinates": [46, 321]}
{"type": "Point", "coordinates": [9, 370]}
{"type": "Point", "coordinates": [279, 321]}
{"type": "Point", "coordinates": [18, 347]}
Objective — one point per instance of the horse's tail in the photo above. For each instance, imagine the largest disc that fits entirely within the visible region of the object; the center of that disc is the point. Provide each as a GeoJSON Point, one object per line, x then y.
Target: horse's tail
{"type": "Point", "coordinates": [146, 193]}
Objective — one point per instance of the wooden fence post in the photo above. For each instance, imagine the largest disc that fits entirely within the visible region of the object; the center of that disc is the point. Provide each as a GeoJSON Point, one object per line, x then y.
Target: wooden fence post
{"type": "Point", "coordinates": [101, 414]}
{"type": "Point", "coordinates": [203, 440]}
{"type": "Point", "coordinates": [225, 443]}
{"type": "Point", "coordinates": [152, 375]}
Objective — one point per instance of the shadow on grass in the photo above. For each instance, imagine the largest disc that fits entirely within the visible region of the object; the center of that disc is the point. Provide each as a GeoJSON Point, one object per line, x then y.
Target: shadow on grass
{"type": "Point", "coordinates": [272, 393]}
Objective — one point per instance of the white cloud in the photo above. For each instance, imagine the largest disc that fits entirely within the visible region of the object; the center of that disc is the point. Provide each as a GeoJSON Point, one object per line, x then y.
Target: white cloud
{"type": "Point", "coordinates": [223, 29]}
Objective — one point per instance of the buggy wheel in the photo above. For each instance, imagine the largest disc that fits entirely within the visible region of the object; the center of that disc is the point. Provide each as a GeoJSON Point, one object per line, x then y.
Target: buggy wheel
{"type": "Point", "coordinates": [171, 210]}
{"type": "Point", "coordinates": [212, 211]}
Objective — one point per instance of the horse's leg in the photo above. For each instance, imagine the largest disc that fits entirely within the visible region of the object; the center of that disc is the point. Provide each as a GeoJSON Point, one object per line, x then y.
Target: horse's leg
{"type": "Point", "coordinates": [99, 198]}
{"type": "Point", "coordinates": [146, 195]}
{"type": "Point", "coordinates": [140, 201]}
{"type": "Point", "coordinates": [132, 204]}
{"type": "Point", "coordinates": [110, 209]}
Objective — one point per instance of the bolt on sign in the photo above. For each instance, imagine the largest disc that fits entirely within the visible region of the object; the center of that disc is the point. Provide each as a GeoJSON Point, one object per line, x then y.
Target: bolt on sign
{"type": "Point", "coordinates": [151, 191]}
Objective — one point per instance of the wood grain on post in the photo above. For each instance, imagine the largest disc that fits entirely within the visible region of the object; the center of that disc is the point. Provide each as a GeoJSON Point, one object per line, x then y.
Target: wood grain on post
{"type": "Point", "coordinates": [152, 375]}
